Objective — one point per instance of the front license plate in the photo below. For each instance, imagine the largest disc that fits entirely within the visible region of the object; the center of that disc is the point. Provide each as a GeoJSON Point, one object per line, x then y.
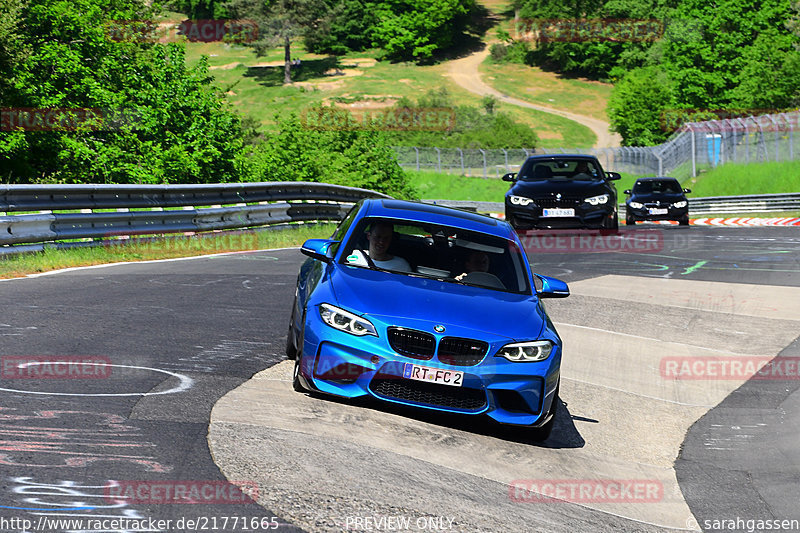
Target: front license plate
{"type": "Point", "coordinates": [656, 211]}
{"type": "Point", "coordinates": [453, 378]}
{"type": "Point", "coordinates": [558, 212]}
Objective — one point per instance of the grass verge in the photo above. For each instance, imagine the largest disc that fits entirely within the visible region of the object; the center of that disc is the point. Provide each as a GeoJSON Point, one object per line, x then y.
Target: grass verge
{"type": "Point", "coordinates": [159, 248]}
{"type": "Point", "coordinates": [254, 85]}
{"type": "Point", "coordinates": [536, 86]}
{"type": "Point", "coordinates": [734, 179]}
{"type": "Point", "coordinates": [436, 186]}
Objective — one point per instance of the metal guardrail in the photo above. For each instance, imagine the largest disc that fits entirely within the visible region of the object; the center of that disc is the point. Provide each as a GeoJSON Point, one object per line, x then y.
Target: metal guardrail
{"type": "Point", "coordinates": [255, 204]}
{"type": "Point", "coordinates": [162, 209]}
{"type": "Point", "coordinates": [761, 203]}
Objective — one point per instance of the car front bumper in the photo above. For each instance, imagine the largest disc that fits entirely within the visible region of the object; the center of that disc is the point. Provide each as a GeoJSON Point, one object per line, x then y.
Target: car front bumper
{"type": "Point", "coordinates": [344, 365]}
{"type": "Point", "coordinates": [643, 213]}
{"type": "Point", "coordinates": [586, 216]}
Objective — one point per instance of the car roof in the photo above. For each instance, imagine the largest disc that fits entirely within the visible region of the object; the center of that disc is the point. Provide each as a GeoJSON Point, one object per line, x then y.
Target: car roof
{"type": "Point", "coordinates": [436, 214]}
{"type": "Point", "coordinates": [654, 178]}
{"type": "Point", "coordinates": [552, 157]}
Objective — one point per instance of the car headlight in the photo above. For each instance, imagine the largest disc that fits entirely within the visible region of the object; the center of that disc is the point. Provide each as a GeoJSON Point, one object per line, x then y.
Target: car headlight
{"type": "Point", "coordinates": [520, 200]}
{"type": "Point", "coordinates": [636, 205]}
{"type": "Point", "coordinates": [680, 204]}
{"type": "Point", "coordinates": [519, 352]}
{"type": "Point", "coordinates": [597, 200]}
{"type": "Point", "coordinates": [345, 321]}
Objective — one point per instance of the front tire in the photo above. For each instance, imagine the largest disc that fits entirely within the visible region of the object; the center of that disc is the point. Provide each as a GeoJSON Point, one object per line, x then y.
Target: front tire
{"type": "Point", "coordinates": [296, 384]}
{"type": "Point", "coordinates": [543, 433]}
{"type": "Point", "coordinates": [684, 221]}
{"type": "Point", "coordinates": [517, 225]}
{"type": "Point", "coordinates": [612, 224]}
{"type": "Point", "coordinates": [291, 348]}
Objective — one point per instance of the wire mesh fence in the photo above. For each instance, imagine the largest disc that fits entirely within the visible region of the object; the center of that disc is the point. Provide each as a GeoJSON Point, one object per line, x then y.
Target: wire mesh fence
{"type": "Point", "coordinates": [695, 146]}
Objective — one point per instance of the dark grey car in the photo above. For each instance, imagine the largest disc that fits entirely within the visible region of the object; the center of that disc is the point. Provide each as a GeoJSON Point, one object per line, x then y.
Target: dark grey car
{"type": "Point", "coordinates": [657, 199]}
{"type": "Point", "coordinates": [562, 191]}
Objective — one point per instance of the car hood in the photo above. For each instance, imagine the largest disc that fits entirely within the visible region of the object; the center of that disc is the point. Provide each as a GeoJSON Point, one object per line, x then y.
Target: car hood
{"type": "Point", "coordinates": [390, 296]}
{"type": "Point", "coordinates": [585, 188]}
{"type": "Point", "coordinates": [663, 198]}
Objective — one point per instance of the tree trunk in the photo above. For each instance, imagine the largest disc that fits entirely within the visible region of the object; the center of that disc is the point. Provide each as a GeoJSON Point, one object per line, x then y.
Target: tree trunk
{"type": "Point", "coordinates": [287, 58]}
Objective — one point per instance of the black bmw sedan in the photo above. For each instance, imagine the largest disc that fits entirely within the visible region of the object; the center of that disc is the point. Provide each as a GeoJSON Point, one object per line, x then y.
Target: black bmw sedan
{"type": "Point", "coordinates": [657, 199]}
{"type": "Point", "coordinates": [561, 191]}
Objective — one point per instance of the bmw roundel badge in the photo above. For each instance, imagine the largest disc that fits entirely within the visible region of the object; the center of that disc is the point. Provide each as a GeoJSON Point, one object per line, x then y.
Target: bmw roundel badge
{"type": "Point", "coordinates": [438, 328]}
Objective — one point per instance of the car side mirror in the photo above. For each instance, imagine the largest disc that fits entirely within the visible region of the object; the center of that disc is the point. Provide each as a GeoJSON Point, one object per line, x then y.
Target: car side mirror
{"type": "Point", "coordinates": [687, 191]}
{"type": "Point", "coordinates": [610, 176]}
{"type": "Point", "coordinates": [511, 176]}
{"type": "Point", "coordinates": [626, 191]}
{"type": "Point", "coordinates": [552, 287]}
{"type": "Point", "coordinates": [319, 249]}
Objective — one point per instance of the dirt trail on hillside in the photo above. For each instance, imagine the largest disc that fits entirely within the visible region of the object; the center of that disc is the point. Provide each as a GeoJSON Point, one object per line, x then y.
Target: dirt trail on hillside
{"type": "Point", "coordinates": [465, 73]}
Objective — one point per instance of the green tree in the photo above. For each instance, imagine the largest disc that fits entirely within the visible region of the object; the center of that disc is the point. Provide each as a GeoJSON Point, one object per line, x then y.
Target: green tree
{"type": "Point", "coordinates": [200, 9]}
{"type": "Point", "coordinates": [345, 156]}
{"type": "Point", "coordinates": [415, 29]}
{"type": "Point", "coordinates": [278, 22]}
{"type": "Point", "coordinates": [599, 40]}
{"type": "Point", "coordinates": [732, 39]}
{"type": "Point", "coordinates": [637, 107]}
{"type": "Point", "coordinates": [346, 27]}
{"type": "Point", "coordinates": [174, 128]}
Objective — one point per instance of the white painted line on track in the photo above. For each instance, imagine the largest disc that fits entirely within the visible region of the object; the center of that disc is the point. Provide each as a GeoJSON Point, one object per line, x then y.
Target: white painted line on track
{"type": "Point", "coordinates": [185, 384]}
{"type": "Point", "coordinates": [611, 331]}
{"type": "Point", "coordinates": [636, 393]}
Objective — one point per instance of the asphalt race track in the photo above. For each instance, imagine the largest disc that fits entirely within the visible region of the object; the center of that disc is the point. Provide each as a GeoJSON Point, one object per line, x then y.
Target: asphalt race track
{"type": "Point", "coordinates": [182, 340]}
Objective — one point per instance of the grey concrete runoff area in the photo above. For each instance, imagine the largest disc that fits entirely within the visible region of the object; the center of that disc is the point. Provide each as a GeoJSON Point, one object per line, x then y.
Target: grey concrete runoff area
{"type": "Point", "coordinates": [200, 392]}
{"type": "Point", "coordinates": [328, 461]}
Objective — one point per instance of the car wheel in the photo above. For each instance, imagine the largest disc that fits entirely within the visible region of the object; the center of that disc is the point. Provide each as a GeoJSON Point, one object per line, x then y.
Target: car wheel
{"type": "Point", "coordinates": [296, 384]}
{"type": "Point", "coordinates": [543, 433]}
{"type": "Point", "coordinates": [613, 224]}
{"type": "Point", "coordinates": [630, 220]}
{"type": "Point", "coordinates": [291, 349]}
{"type": "Point", "coordinates": [517, 225]}
{"type": "Point", "coordinates": [684, 221]}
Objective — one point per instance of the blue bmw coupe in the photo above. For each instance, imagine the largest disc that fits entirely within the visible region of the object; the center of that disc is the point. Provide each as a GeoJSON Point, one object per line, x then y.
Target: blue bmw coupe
{"type": "Point", "coordinates": [429, 307]}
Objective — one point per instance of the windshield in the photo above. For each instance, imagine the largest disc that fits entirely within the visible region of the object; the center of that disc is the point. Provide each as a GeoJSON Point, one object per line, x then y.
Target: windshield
{"type": "Point", "coordinates": [657, 187]}
{"type": "Point", "coordinates": [444, 253]}
{"type": "Point", "coordinates": [563, 169]}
